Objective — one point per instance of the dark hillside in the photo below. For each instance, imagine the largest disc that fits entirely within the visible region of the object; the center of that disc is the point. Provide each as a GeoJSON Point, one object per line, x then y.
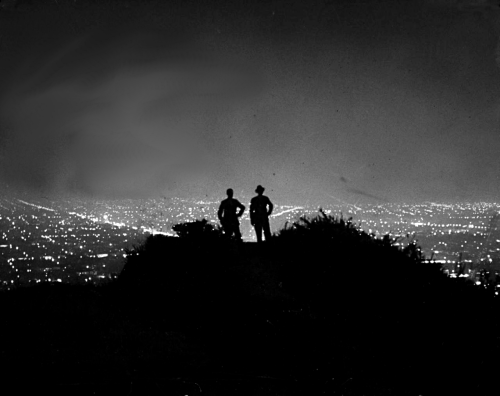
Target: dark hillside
{"type": "Point", "coordinates": [323, 300]}
{"type": "Point", "coordinates": [66, 336]}
{"type": "Point", "coordinates": [323, 308]}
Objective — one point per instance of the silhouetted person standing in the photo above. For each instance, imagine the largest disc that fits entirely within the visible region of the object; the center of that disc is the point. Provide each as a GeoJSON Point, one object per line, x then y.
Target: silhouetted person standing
{"type": "Point", "coordinates": [228, 215]}
{"type": "Point", "coordinates": [260, 209]}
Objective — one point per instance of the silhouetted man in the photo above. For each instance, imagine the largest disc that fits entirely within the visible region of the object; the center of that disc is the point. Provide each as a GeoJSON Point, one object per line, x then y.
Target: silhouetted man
{"type": "Point", "coordinates": [228, 215]}
{"type": "Point", "coordinates": [260, 209]}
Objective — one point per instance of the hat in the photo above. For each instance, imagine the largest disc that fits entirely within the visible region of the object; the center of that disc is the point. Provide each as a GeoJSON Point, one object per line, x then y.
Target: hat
{"type": "Point", "coordinates": [259, 189]}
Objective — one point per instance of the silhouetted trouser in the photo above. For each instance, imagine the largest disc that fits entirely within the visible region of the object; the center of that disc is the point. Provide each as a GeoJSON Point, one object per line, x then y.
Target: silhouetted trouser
{"type": "Point", "coordinates": [232, 228]}
{"type": "Point", "coordinates": [262, 225]}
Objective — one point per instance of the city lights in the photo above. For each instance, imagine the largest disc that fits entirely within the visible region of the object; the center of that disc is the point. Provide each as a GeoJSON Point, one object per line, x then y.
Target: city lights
{"type": "Point", "coordinates": [71, 238]}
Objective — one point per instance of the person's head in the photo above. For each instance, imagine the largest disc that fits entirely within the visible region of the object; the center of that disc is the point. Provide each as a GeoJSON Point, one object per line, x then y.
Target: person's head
{"type": "Point", "coordinates": [229, 192]}
{"type": "Point", "coordinates": [259, 190]}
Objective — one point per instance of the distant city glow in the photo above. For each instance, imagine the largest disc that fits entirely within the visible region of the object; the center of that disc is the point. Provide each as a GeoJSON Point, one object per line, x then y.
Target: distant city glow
{"type": "Point", "coordinates": [64, 239]}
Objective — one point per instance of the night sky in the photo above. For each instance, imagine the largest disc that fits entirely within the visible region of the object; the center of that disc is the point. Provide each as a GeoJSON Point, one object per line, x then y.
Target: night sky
{"type": "Point", "coordinates": [318, 101]}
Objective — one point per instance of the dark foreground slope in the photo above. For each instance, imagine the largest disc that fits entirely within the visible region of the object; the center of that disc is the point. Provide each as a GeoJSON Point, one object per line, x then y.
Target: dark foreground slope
{"type": "Point", "coordinates": [322, 309]}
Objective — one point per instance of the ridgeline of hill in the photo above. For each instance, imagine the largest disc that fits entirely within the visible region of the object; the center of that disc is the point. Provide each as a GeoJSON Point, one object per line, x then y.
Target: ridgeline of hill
{"type": "Point", "coordinates": [322, 308]}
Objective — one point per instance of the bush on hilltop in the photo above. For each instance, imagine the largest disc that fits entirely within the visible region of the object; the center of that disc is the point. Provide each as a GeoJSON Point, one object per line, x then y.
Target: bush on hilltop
{"type": "Point", "coordinates": [199, 230]}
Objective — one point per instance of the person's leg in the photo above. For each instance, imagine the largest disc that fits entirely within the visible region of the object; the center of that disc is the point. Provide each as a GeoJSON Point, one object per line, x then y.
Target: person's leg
{"type": "Point", "coordinates": [228, 230]}
{"type": "Point", "coordinates": [267, 231]}
{"type": "Point", "coordinates": [258, 231]}
{"type": "Point", "coordinates": [237, 233]}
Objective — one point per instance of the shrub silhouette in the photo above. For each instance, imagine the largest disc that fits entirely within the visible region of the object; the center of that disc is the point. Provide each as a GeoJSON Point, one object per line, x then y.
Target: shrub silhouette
{"type": "Point", "coordinates": [199, 230]}
{"type": "Point", "coordinates": [323, 250]}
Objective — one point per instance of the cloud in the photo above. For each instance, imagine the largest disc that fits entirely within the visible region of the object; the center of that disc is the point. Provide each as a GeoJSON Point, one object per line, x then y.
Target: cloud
{"type": "Point", "coordinates": [115, 112]}
{"type": "Point", "coordinates": [365, 194]}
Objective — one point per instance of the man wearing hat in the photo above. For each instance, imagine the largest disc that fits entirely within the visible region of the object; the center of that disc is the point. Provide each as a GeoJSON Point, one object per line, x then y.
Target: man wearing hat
{"type": "Point", "coordinates": [260, 209]}
{"type": "Point", "coordinates": [228, 215]}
